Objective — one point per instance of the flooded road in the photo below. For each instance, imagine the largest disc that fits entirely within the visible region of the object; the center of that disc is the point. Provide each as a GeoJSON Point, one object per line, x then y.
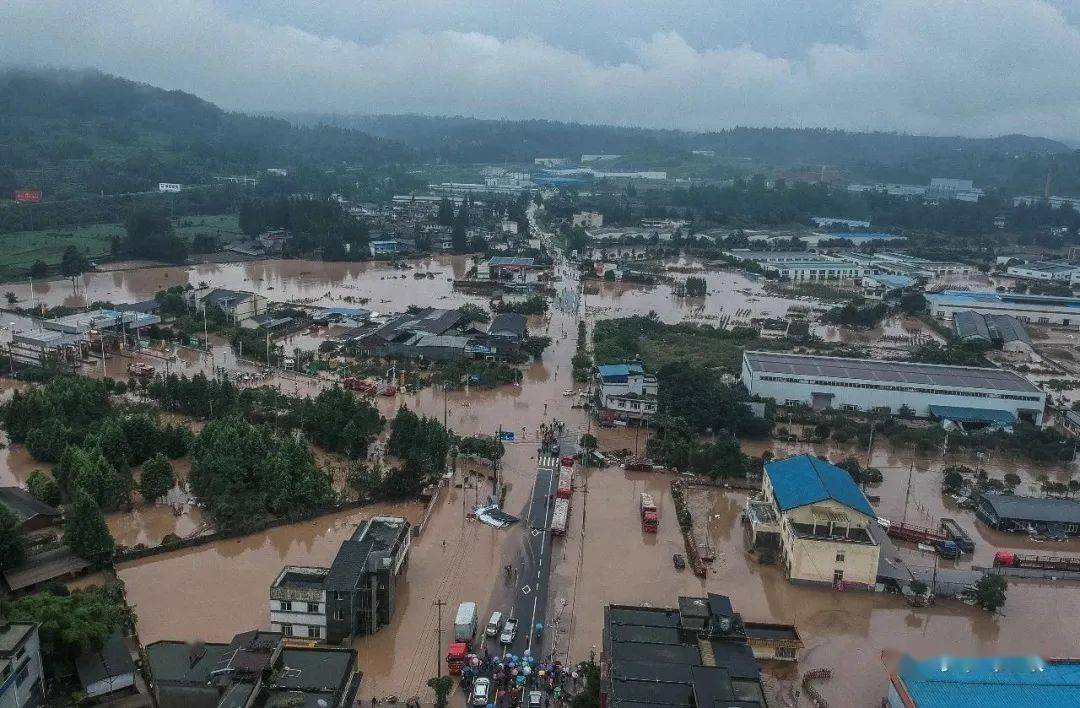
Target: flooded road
{"type": "Point", "coordinates": [216, 590]}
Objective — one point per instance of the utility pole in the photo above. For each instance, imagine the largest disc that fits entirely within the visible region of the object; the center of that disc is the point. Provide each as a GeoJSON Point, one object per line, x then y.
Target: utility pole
{"type": "Point", "coordinates": [438, 646]}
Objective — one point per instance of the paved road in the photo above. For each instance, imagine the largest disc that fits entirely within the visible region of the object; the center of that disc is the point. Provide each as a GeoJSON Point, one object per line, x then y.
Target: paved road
{"type": "Point", "coordinates": [534, 564]}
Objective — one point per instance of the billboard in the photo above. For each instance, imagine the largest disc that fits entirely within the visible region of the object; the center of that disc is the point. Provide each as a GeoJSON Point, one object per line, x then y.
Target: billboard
{"type": "Point", "coordinates": [28, 195]}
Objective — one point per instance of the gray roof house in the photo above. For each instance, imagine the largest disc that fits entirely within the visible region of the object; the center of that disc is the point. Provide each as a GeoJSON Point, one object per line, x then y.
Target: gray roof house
{"type": "Point", "coordinates": [107, 670]}
{"type": "Point", "coordinates": [31, 513]}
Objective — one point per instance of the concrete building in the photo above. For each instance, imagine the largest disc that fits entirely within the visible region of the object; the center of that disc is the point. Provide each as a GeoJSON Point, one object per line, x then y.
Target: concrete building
{"type": "Point", "coordinates": [962, 190]}
{"type": "Point", "coordinates": [626, 392]}
{"type": "Point", "coordinates": [824, 222]}
{"type": "Point", "coordinates": [1070, 423]}
{"type": "Point", "coordinates": [256, 669]}
{"type": "Point", "coordinates": [984, 682]}
{"type": "Point", "coordinates": [823, 522]}
{"type": "Point", "coordinates": [298, 602]}
{"type": "Point", "coordinates": [1040, 309]}
{"type": "Point", "coordinates": [1058, 271]}
{"type": "Point", "coordinates": [507, 331]}
{"type": "Point", "coordinates": [696, 654]}
{"type": "Point", "coordinates": [1055, 202]}
{"type": "Point", "coordinates": [169, 187]}
{"type": "Point", "coordinates": [509, 269]}
{"type": "Point", "coordinates": [1011, 512]}
{"type": "Point", "coordinates": [587, 219]}
{"type": "Point", "coordinates": [239, 306]}
{"type": "Point", "coordinates": [819, 268]}
{"type": "Point", "coordinates": [387, 248]}
{"type": "Point", "coordinates": [22, 677]}
{"type": "Point", "coordinates": [874, 385]}
{"type": "Point", "coordinates": [101, 320]}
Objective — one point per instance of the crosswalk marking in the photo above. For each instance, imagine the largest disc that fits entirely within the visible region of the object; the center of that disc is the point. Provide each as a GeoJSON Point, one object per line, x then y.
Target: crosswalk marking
{"type": "Point", "coordinates": [547, 461]}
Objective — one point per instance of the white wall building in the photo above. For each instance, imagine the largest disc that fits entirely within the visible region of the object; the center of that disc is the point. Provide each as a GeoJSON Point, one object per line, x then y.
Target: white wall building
{"type": "Point", "coordinates": [1040, 309]}
{"type": "Point", "coordinates": [298, 602]}
{"type": "Point", "coordinates": [818, 269]}
{"type": "Point", "coordinates": [21, 674]}
{"type": "Point", "coordinates": [874, 385]}
{"type": "Point", "coordinates": [626, 391]}
{"type": "Point", "coordinates": [169, 187]}
{"type": "Point", "coordinates": [1060, 271]}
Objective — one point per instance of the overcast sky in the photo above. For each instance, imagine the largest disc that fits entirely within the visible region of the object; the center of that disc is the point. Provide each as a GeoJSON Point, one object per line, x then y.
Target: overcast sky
{"type": "Point", "coordinates": [971, 67]}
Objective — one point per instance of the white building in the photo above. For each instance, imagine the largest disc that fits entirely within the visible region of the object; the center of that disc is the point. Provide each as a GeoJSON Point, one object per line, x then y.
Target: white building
{"type": "Point", "coordinates": [22, 678]}
{"type": "Point", "coordinates": [626, 391]}
{"type": "Point", "coordinates": [298, 602]}
{"type": "Point", "coordinates": [818, 268]}
{"type": "Point", "coordinates": [1055, 202]}
{"type": "Point", "coordinates": [598, 158]}
{"type": "Point", "coordinates": [824, 382]}
{"type": "Point", "coordinates": [550, 161]}
{"type": "Point", "coordinates": [963, 190]}
{"type": "Point", "coordinates": [823, 522]}
{"type": "Point", "coordinates": [587, 219]}
{"type": "Point", "coordinates": [1041, 309]}
{"type": "Point", "coordinates": [1060, 271]}
{"type": "Point", "coordinates": [169, 187]}
{"type": "Point", "coordinates": [827, 221]}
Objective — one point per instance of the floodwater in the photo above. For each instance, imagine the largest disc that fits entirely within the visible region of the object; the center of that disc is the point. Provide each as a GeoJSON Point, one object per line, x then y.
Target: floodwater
{"type": "Point", "coordinates": [214, 591]}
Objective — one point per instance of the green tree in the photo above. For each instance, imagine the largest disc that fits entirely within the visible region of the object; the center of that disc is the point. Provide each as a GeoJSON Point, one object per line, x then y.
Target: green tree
{"type": "Point", "coordinates": [441, 686]}
{"type": "Point", "coordinates": [589, 696]}
{"type": "Point", "coordinates": [990, 591]}
{"type": "Point", "coordinates": [1012, 480]}
{"type": "Point", "coordinates": [588, 443]}
{"type": "Point", "coordinates": [912, 303]}
{"type": "Point", "coordinates": [952, 481]}
{"type": "Point", "coordinates": [12, 543]}
{"type": "Point", "coordinates": [157, 478]}
{"type": "Point", "coordinates": [85, 531]}
{"type": "Point", "coordinates": [73, 263]}
{"type": "Point", "coordinates": [72, 622]}
{"type": "Point", "coordinates": [43, 487]}
{"type": "Point", "coordinates": [39, 269]}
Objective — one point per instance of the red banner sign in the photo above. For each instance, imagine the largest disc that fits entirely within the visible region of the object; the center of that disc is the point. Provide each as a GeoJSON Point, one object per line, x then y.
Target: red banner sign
{"type": "Point", "coordinates": [28, 195]}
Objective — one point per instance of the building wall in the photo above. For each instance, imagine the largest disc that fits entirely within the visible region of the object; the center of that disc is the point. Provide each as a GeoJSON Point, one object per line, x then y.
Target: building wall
{"type": "Point", "coordinates": [1046, 314]}
{"type": "Point", "coordinates": [793, 388]}
{"type": "Point", "coordinates": [305, 620]}
{"type": "Point", "coordinates": [24, 685]}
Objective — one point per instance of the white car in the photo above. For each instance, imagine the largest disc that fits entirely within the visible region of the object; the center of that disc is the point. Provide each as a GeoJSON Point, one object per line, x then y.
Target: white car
{"type": "Point", "coordinates": [481, 689]}
{"type": "Point", "coordinates": [509, 632]}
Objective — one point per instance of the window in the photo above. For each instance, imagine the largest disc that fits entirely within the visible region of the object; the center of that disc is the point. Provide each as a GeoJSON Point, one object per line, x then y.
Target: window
{"type": "Point", "coordinates": [286, 606]}
{"type": "Point", "coordinates": [315, 632]}
{"type": "Point", "coordinates": [840, 557]}
{"type": "Point", "coordinates": [785, 652]}
{"type": "Point", "coordinates": [286, 629]}
{"type": "Point", "coordinates": [313, 607]}
{"type": "Point", "coordinates": [339, 615]}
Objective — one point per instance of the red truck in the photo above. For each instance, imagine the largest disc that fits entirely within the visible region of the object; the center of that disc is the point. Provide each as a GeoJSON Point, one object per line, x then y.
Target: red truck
{"type": "Point", "coordinates": [457, 656]}
{"type": "Point", "coordinates": [560, 516]}
{"type": "Point", "coordinates": [650, 517]}
{"type": "Point", "coordinates": [566, 483]}
{"type": "Point", "coordinates": [915, 534]}
{"type": "Point", "coordinates": [1008, 559]}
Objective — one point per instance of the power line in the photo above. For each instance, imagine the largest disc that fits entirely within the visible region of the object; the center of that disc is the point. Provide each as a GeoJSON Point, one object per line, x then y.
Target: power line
{"type": "Point", "coordinates": [438, 644]}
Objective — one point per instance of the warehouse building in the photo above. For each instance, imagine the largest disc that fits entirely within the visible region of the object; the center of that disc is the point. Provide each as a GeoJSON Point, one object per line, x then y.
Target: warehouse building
{"type": "Point", "coordinates": [1003, 330]}
{"type": "Point", "coordinates": [1057, 271]}
{"type": "Point", "coordinates": [963, 682]}
{"type": "Point", "coordinates": [927, 390]}
{"type": "Point", "coordinates": [1043, 515]}
{"type": "Point", "coordinates": [1042, 309]}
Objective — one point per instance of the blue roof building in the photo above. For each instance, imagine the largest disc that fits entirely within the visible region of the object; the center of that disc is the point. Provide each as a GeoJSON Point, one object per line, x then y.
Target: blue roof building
{"type": "Point", "coordinates": [817, 523]}
{"type": "Point", "coordinates": [803, 480]}
{"type": "Point", "coordinates": [991, 682]}
{"type": "Point", "coordinates": [618, 373]}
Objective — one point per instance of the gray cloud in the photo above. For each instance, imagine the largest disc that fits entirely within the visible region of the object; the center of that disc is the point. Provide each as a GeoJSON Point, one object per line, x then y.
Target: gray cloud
{"type": "Point", "coordinates": [953, 66]}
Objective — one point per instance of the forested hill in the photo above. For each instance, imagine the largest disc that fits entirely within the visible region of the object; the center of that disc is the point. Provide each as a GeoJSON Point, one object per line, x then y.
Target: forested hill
{"type": "Point", "coordinates": [101, 133]}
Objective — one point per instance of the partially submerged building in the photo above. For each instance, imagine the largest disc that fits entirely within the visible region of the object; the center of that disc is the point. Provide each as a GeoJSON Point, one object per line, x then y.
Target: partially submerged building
{"type": "Point", "coordinates": [697, 654]}
{"type": "Point", "coordinates": [1004, 330]}
{"type": "Point", "coordinates": [355, 596]}
{"type": "Point", "coordinates": [256, 669]}
{"type": "Point", "coordinates": [31, 513]}
{"type": "Point", "coordinates": [821, 520]}
{"type": "Point", "coordinates": [22, 677]}
{"type": "Point", "coordinates": [966, 682]}
{"type": "Point", "coordinates": [825, 382]}
{"type": "Point", "coordinates": [241, 307]}
{"type": "Point", "coordinates": [1043, 515]}
{"type": "Point", "coordinates": [108, 671]}
{"type": "Point", "coordinates": [626, 392]}
{"type": "Point", "coordinates": [1041, 309]}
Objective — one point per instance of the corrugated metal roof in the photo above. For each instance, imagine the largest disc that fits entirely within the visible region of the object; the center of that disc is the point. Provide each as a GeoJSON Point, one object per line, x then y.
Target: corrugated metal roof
{"type": "Point", "coordinates": [612, 370]}
{"type": "Point", "coordinates": [899, 372]}
{"type": "Point", "coordinates": [961, 414]}
{"type": "Point", "coordinates": [992, 682]}
{"type": "Point", "coordinates": [804, 479]}
{"type": "Point", "coordinates": [969, 325]}
{"type": "Point", "coordinates": [1044, 509]}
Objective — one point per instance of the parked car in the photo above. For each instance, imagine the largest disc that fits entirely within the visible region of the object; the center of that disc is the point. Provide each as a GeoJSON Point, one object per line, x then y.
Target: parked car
{"type": "Point", "coordinates": [509, 632]}
{"type": "Point", "coordinates": [480, 691]}
{"type": "Point", "coordinates": [494, 625]}
{"type": "Point", "coordinates": [536, 699]}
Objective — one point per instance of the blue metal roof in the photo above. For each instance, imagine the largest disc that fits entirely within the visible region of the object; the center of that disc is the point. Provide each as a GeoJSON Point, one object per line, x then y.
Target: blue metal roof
{"type": "Point", "coordinates": [993, 682]}
{"type": "Point", "coordinates": [961, 414]}
{"type": "Point", "coordinates": [608, 371]}
{"type": "Point", "coordinates": [966, 297]}
{"type": "Point", "coordinates": [894, 281]}
{"type": "Point", "coordinates": [804, 479]}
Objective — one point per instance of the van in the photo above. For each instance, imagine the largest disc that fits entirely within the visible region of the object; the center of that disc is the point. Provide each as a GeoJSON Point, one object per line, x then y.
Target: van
{"type": "Point", "coordinates": [494, 625]}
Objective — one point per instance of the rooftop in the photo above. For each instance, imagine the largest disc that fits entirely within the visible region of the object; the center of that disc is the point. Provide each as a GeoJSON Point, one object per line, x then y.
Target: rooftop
{"type": "Point", "coordinates": [112, 660]}
{"type": "Point", "coordinates": [1045, 509]}
{"type": "Point", "coordinates": [804, 479]}
{"type": "Point", "coordinates": [25, 506]}
{"type": "Point", "coordinates": [509, 322]}
{"type": "Point", "coordinates": [888, 371]}
{"type": "Point", "coordinates": [961, 682]}
{"type": "Point", "coordinates": [610, 371]}
{"type": "Point", "coordinates": [518, 261]}
{"type": "Point", "coordinates": [965, 297]}
{"type": "Point", "coordinates": [376, 541]}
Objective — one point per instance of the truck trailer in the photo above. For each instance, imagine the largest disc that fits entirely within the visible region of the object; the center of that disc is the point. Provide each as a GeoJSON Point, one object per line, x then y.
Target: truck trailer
{"type": "Point", "coordinates": [650, 517]}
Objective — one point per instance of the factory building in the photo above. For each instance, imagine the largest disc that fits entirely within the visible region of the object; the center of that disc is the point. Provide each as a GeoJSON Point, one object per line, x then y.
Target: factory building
{"type": "Point", "coordinates": [1041, 309]}
{"type": "Point", "coordinates": [927, 390]}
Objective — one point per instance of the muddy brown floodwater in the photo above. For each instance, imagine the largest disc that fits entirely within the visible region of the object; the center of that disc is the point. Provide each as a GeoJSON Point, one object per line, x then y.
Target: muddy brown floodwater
{"type": "Point", "coordinates": [213, 591]}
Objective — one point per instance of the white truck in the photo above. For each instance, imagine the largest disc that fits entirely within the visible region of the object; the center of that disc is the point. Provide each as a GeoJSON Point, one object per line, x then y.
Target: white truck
{"type": "Point", "coordinates": [465, 623]}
